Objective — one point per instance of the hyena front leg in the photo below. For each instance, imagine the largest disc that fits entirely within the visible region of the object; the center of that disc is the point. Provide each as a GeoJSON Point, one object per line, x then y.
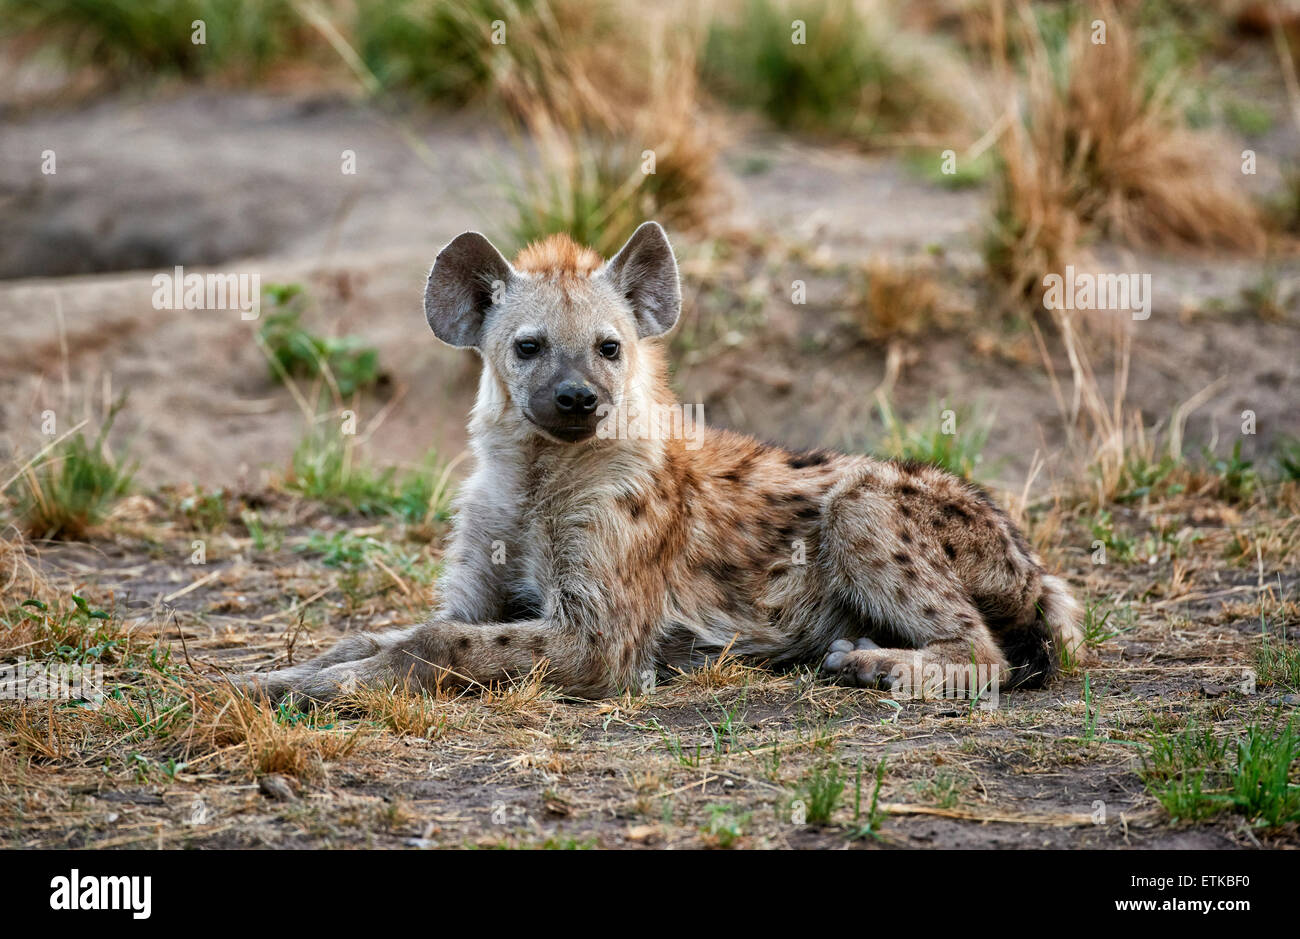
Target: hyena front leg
{"type": "Point", "coordinates": [449, 654]}
{"type": "Point", "coordinates": [473, 589]}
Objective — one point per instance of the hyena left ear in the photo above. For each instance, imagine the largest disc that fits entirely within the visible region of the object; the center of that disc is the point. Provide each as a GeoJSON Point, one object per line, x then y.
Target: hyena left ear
{"type": "Point", "coordinates": [468, 277]}
{"type": "Point", "coordinates": [645, 272]}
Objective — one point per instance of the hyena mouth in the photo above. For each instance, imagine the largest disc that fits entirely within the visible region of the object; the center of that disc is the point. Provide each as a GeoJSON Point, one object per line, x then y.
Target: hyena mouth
{"type": "Point", "coordinates": [573, 434]}
{"type": "Point", "coordinates": [566, 433]}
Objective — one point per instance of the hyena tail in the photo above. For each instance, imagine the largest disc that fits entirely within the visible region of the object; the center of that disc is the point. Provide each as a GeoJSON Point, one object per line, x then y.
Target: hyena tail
{"type": "Point", "coordinates": [1049, 634]}
{"type": "Point", "coordinates": [1064, 617]}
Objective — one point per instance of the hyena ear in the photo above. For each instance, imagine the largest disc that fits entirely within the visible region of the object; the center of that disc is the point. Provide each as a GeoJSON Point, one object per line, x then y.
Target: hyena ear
{"type": "Point", "coordinates": [645, 272]}
{"type": "Point", "coordinates": [468, 276]}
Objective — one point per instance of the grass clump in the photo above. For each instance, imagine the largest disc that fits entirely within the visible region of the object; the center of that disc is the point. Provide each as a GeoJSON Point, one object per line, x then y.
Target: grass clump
{"type": "Point", "coordinates": [1099, 150]}
{"type": "Point", "coordinates": [327, 468]}
{"type": "Point", "coordinates": [954, 442]}
{"type": "Point", "coordinates": [840, 74]}
{"type": "Point", "coordinates": [1288, 458]}
{"type": "Point", "coordinates": [583, 193]}
{"type": "Point", "coordinates": [1144, 475]}
{"type": "Point", "coordinates": [514, 53]}
{"type": "Point", "coordinates": [442, 52]}
{"type": "Point", "coordinates": [605, 106]}
{"type": "Point", "coordinates": [866, 824]}
{"type": "Point", "coordinates": [283, 740]}
{"type": "Point", "coordinates": [63, 629]}
{"type": "Point", "coordinates": [901, 300]}
{"type": "Point", "coordinates": [821, 792]}
{"type": "Point", "coordinates": [345, 362]}
{"type": "Point", "coordinates": [1284, 211]}
{"type": "Point", "coordinates": [1236, 477]}
{"type": "Point", "coordinates": [598, 169]}
{"type": "Point", "coordinates": [725, 826]}
{"type": "Point", "coordinates": [71, 487]}
{"type": "Point", "coordinates": [129, 38]}
{"type": "Point", "coordinates": [204, 509]}
{"type": "Point", "coordinates": [1196, 775]}
{"type": "Point", "coordinates": [406, 712]}
{"type": "Point", "coordinates": [1277, 661]}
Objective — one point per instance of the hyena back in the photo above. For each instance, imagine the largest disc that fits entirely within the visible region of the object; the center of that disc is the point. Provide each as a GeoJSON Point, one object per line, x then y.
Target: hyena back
{"type": "Point", "coordinates": [615, 558]}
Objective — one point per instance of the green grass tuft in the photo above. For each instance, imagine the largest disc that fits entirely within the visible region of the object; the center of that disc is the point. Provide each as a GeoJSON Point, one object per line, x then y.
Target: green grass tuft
{"type": "Point", "coordinates": [326, 468]}
{"type": "Point", "coordinates": [1237, 477]}
{"type": "Point", "coordinates": [958, 452]}
{"type": "Point", "coordinates": [1277, 661]}
{"type": "Point", "coordinates": [440, 51]}
{"type": "Point", "coordinates": [73, 486]}
{"type": "Point", "coordinates": [1195, 775]}
{"type": "Point", "coordinates": [846, 79]}
{"type": "Point", "coordinates": [725, 826]}
{"type": "Point", "coordinates": [821, 792]}
{"type": "Point", "coordinates": [344, 362]}
{"type": "Point", "coordinates": [1288, 458]}
{"type": "Point", "coordinates": [139, 38]}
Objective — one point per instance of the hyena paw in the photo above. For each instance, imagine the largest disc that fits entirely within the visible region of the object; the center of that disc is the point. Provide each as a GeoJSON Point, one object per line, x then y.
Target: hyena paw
{"type": "Point", "coordinates": [338, 672]}
{"type": "Point", "coordinates": [269, 685]}
{"type": "Point", "coordinates": [865, 665]}
{"type": "Point", "coordinates": [308, 682]}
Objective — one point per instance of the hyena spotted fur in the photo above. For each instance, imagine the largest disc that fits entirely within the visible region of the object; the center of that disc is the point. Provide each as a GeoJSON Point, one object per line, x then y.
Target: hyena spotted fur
{"type": "Point", "coordinates": [616, 559]}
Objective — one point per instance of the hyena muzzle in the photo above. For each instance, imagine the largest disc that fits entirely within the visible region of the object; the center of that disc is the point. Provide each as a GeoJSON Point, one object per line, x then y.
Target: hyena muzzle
{"type": "Point", "coordinates": [588, 538]}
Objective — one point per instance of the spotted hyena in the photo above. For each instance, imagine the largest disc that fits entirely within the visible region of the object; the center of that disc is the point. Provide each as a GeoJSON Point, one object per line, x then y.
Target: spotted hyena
{"type": "Point", "coordinates": [613, 556]}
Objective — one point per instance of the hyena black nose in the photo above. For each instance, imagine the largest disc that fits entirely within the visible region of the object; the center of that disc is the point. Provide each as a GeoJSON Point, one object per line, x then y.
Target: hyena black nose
{"type": "Point", "coordinates": [575, 397]}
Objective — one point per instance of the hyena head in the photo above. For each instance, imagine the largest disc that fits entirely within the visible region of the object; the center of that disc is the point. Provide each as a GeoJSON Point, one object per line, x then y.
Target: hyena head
{"type": "Point", "coordinates": [561, 334]}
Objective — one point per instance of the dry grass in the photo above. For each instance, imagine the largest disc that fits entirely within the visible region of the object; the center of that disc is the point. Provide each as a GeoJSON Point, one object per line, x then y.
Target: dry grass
{"type": "Point", "coordinates": [902, 299]}
{"type": "Point", "coordinates": [1097, 152]}
{"type": "Point", "coordinates": [726, 670]}
{"type": "Point", "coordinates": [21, 577]}
{"type": "Point", "coordinates": [404, 711]}
{"type": "Point", "coordinates": [266, 740]}
{"type": "Point", "coordinates": [612, 153]}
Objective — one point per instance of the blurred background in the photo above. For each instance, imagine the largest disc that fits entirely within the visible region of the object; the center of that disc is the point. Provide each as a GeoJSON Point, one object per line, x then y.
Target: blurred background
{"type": "Point", "coordinates": [865, 198]}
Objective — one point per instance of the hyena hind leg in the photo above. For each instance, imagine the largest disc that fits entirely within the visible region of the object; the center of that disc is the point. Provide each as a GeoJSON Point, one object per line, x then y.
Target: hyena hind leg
{"type": "Point", "coordinates": [940, 669]}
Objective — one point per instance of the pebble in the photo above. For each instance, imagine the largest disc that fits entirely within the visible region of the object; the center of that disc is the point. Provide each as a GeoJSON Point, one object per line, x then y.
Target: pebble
{"type": "Point", "coordinates": [277, 788]}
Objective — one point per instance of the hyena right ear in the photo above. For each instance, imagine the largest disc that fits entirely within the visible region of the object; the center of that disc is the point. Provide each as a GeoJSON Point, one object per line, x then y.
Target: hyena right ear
{"type": "Point", "coordinates": [467, 277]}
{"type": "Point", "coordinates": [645, 272]}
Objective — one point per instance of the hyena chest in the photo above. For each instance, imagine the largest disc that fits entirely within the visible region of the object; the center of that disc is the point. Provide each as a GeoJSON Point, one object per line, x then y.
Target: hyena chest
{"type": "Point", "coordinates": [546, 550]}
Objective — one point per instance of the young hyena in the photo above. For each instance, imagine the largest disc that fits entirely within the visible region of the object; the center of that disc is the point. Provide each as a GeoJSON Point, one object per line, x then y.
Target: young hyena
{"type": "Point", "coordinates": [618, 556]}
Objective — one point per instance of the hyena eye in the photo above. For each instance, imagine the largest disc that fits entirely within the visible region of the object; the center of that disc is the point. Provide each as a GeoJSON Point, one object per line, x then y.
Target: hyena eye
{"type": "Point", "coordinates": [527, 348]}
{"type": "Point", "coordinates": [609, 349]}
